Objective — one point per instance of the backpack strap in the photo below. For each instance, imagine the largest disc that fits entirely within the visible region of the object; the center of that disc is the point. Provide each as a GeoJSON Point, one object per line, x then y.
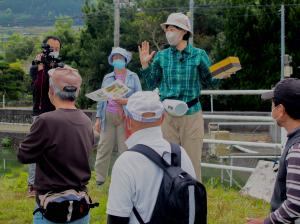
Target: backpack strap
{"type": "Point", "coordinates": [150, 154]}
{"type": "Point", "coordinates": [137, 215]}
{"type": "Point", "coordinates": [159, 161]}
{"type": "Point", "coordinates": [156, 158]}
{"type": "Point", "coordinates": [176, 155]}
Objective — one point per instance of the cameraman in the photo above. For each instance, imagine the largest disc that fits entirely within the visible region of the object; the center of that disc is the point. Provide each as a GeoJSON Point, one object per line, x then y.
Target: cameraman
{"type": "Point", "coordinates": [40, 77]}
{"type": "Point", "coordinates": [40, 85]}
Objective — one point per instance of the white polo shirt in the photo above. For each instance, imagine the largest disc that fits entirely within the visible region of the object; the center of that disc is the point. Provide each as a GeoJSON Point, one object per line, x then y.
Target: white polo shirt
{"type": "Point", "coordinates": [135, 180]}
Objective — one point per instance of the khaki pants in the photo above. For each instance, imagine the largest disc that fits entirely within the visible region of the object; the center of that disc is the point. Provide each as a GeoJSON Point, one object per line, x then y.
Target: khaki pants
{"type": "Point", "coordinates": [187, 131]}
{"type": "Point", "coordinates": [113, 135]}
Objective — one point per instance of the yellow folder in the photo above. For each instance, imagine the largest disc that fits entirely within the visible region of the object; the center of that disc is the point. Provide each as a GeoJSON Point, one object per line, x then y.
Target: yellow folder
{"type": "Point", "coordinates": [225, 68]}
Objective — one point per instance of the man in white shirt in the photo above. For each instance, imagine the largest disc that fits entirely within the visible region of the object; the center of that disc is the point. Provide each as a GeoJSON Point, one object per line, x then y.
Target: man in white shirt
{"type": "Point", "coordinates": [135, 180]}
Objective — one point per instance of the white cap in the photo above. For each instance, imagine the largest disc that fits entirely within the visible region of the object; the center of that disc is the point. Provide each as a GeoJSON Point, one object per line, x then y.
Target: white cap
{"type": "Point", "coordinates": [178, 19]}
{"type": "Point", "coordinates": [142, 102]}
{"type": "Point", "coordinates": [118, 50]}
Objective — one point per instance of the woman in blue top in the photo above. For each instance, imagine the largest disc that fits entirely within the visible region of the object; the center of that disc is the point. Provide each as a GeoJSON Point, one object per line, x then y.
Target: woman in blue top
{"type": "Point", "coordinates": [109, 116]}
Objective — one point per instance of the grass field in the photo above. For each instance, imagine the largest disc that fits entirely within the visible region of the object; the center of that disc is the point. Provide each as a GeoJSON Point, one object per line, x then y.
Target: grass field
{"type": "Point", "coordinates": [225, 206]}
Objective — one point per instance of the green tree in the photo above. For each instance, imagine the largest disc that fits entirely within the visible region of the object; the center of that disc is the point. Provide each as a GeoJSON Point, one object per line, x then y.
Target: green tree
{"type": "Point", "coordinates": [18, 47]}
{"type": "Point", "coordinates": [69, 36]}
{"type": "Point", "coordinates": [37, 12]}
{"type": "Point", "coordinates": [252, 33]}
{"type": "Point", "coordinates": [249, 30]}
{"type": "Point", "coordinates": [96, 41]}
{"type": "Point", "coordinates": [139, 22]}
{"type": "Point", "coordinates": [12, 80]}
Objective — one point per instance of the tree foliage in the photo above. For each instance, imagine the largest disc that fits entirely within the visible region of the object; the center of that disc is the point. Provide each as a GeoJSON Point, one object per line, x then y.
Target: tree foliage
{"type": "Point", "coordinates": [139, 22]}
{"type": "Point", "coordinates": [18, 47]}
{"type": "Point", "coordinates": [249, 30]}
{"type": "Point", "coordinates": [252, 33]}
{"type": "Point", "coordinates": [38, 12]}
{"type": "Point", "coordinates": [11, 80]}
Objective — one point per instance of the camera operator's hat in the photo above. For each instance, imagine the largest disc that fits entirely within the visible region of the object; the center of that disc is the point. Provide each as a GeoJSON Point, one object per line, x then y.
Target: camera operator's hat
{"type": "Point", "coordinates": [286, 92]}
{"type": "Point", "coordinates": [178, 19]}
{"type": "Point", "coordinates": [118, 50]}
{"type": "Point", "coordinates": [66, 78]}
{"type": "Point", "coordinates": [143, 102]}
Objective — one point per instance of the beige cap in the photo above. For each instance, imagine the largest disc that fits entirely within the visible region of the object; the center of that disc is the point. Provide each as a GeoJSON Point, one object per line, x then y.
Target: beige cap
{"type": "Point", "coordinates": [66, 77]}
{"type": "Point", "coordinates": [178, 19]}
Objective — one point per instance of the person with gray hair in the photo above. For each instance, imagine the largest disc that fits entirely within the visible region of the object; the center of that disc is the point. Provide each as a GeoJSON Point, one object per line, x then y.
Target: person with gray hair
{"type": "Point", "coordinates": [60, 143]}
{"type": "Point", "coordinates": [69, 79]}
{"type": "Point", "coordinates": [40, 85]}
{"type": "Point", "coordinates": [110, 114]}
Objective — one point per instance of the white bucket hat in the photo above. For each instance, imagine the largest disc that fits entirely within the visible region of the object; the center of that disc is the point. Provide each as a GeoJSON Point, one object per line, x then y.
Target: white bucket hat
{"type": "Point", "coordinates": [178, 19]}
{"type": "Point", "coordinates": [142, 102]}
{"type": "Point", "coordinates": [118, 50]}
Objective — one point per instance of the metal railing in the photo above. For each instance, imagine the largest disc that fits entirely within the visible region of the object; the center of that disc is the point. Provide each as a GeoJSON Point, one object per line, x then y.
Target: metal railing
{"type": "Point", "coordinates": [212, 93]}
{"type": "Point", "coordinates": [244, 143]}
{"type": "Point", "coordinates": [248, 120]}
{"type": "Point", "coordinates": [227, 120]}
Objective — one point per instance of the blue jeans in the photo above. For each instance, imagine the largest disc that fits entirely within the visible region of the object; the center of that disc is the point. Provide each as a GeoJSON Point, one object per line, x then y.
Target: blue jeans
{"type": "Point", "coordinates": [39, 219]}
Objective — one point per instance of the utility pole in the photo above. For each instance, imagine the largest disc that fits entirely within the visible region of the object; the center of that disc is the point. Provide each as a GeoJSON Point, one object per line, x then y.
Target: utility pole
{"type": "Point", "coordinates": [282, 40]}
{"type": "Point", "coordinates": [283, 132]}
{"type": "Point", "coordinates": [116, 23]}
{"type": "Point", "coordinates": [191, 16]}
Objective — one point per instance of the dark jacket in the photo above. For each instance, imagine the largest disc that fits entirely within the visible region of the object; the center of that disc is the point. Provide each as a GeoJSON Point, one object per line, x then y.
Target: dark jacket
{"type": "Point", "coordinates": [40, 88]}
{"type": "Point", "coordinates": [59, 143]}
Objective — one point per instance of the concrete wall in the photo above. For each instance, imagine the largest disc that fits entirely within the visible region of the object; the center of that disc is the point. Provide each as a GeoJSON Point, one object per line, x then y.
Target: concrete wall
{"type": "Point", "coordinates": [25, 115]}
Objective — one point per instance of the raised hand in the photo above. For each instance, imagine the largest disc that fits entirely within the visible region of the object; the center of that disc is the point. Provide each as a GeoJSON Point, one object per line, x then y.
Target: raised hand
{"type": "Point", "coordinates": [145, 56]}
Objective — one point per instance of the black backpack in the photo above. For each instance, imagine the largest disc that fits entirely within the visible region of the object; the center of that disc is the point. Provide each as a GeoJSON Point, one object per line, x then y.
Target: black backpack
{"type": "Point", "coordinates": [173, 200]}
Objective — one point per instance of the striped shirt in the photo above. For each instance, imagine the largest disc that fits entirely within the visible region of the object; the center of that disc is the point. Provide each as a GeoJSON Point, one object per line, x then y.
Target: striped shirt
{"type": "Point", "coordinates": [180, 74]}
{"type": "Point", "coordinates": [290, 208]}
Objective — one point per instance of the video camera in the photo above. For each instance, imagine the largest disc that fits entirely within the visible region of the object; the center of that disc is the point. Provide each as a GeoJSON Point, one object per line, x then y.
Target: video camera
{"type": "Point", "coordinates": [48, 59]}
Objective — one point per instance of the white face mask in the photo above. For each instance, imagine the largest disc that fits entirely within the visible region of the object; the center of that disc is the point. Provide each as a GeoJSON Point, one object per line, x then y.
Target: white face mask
{"type": "Point", "coordinates": [55, 54]}
{"type": "Point", "coordinates": [173, 37]}
{"type": "Point", "coordinates": [276, 118]}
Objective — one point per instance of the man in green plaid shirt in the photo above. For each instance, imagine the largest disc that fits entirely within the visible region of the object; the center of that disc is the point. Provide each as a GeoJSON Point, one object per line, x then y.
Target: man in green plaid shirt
{"type": "Point", "coordinates": [180, 72]}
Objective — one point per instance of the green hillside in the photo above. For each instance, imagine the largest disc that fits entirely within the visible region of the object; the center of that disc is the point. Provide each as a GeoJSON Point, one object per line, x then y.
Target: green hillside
{"type": "Point", "coordinates": [38, 12]}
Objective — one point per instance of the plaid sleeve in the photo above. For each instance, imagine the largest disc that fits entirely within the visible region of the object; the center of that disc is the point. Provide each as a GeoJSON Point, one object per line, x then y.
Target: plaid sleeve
{"type": "Point", "coordinates": [153, 74]}
{"type": "Point", "coordinates": [207, 81]}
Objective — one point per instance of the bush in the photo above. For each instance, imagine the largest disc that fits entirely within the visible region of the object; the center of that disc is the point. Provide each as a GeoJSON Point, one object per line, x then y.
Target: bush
{"type": "Point", "coordinates": [6, 142]}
